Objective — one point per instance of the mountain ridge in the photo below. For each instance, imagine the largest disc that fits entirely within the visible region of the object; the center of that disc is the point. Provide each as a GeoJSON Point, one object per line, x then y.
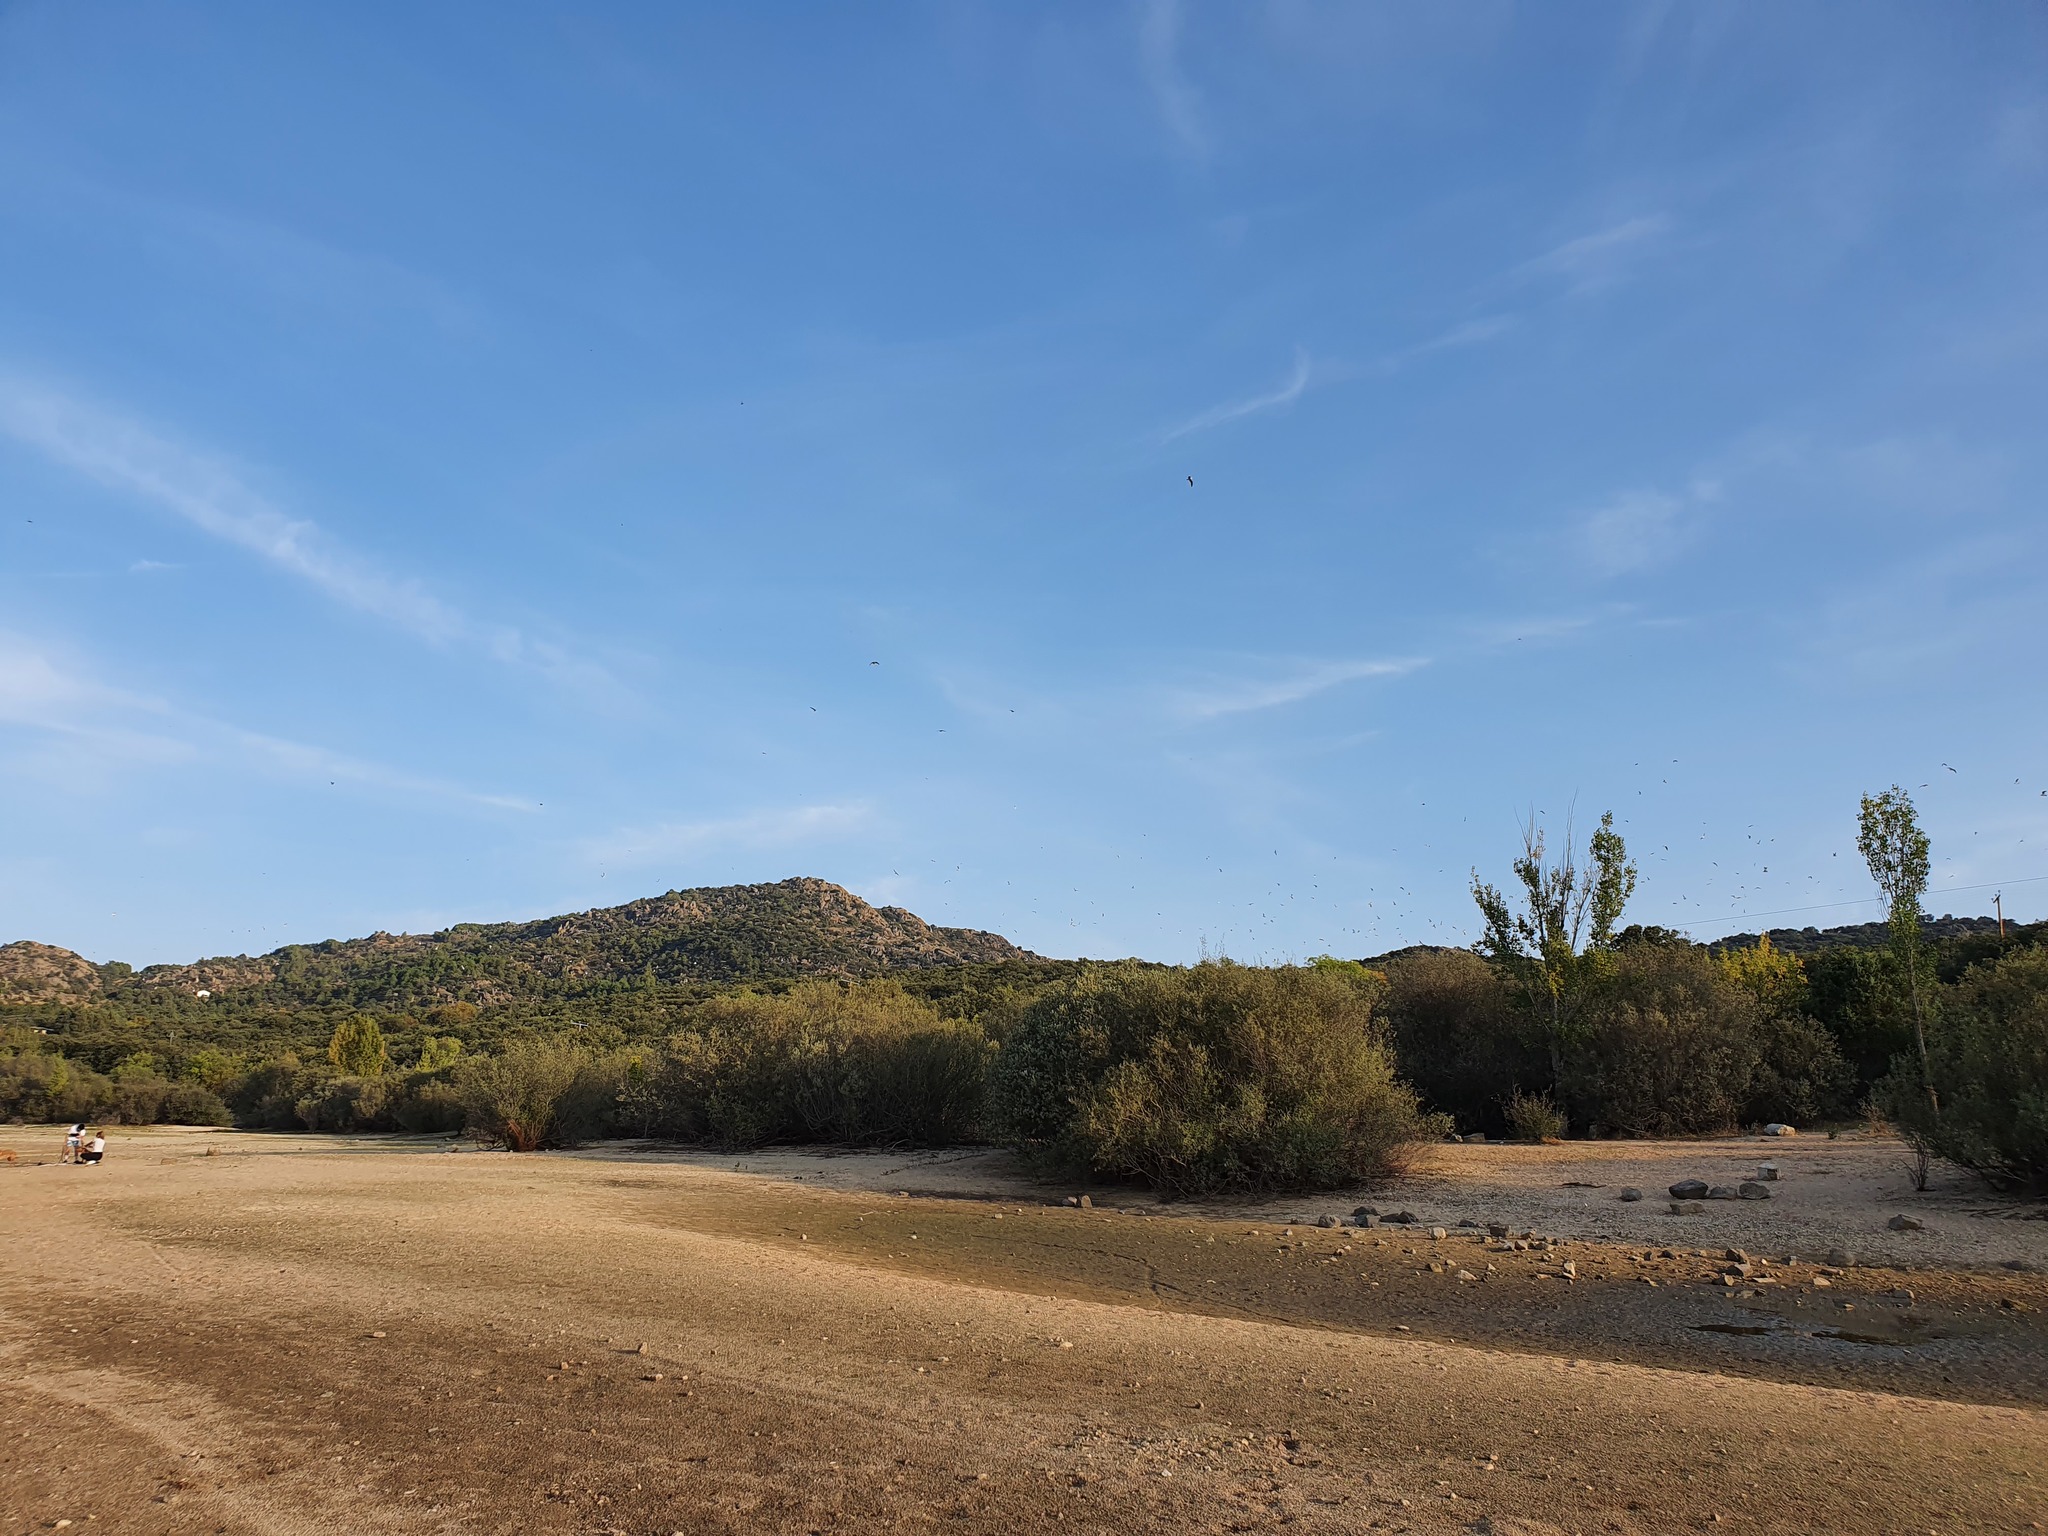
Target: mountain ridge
{"type": "Point", "coordinates": [797, 927]}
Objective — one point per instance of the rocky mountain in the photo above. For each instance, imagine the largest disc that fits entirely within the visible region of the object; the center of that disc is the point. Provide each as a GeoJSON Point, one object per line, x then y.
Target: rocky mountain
{"type": "Point", "coordinates": [43, 973]}
{"type": "Point", "coordinates": [727, 933]}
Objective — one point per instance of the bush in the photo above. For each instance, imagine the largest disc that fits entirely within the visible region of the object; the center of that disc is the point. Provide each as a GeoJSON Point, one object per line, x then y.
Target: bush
{"type": "Point", "coordinates": [1458, 1038]}
{"type": "Point", "coordinates": [1668, 1047]}
{"type": "Point", "coordinates": [516, 1099]}
{"type": "Point", "coordinates": [1532, 1117]}
{"type": "Point", "coordinates": [346, 1104]}
{"type": "Point", "coordinates": [1220, 1077]}
{"type": "Point", "coordinates": [1988, 1051]}
{"type": "Point", "coordinates": [866, 1064]}
{"type": "Point", "coordinates": [42, 1086]}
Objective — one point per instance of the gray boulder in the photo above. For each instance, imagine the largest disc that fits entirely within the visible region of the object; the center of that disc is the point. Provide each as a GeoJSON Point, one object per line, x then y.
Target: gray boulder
{"type": "Point", "coordinates": [1631, 1193]}
{"type": "Point", "coordinates": [1689, 1189]}
{"type": "Point", "coordinates": [1749, 1189]}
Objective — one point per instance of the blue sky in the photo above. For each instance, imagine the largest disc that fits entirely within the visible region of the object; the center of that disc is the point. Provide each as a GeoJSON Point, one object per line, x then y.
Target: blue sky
{"type": "Point", "coordinates": [466, 462]}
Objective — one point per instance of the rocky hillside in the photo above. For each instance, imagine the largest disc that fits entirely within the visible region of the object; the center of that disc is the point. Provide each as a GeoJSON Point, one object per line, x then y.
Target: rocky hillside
{"type": "Point", "coordinates": [718, 933]}
{"type": "Point", "coordinates": [43, 973]}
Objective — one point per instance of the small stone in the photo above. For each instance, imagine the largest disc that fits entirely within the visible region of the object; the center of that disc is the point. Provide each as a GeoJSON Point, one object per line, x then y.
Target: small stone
{"type": "Point", "coordinates": [1086, 1203]}
{"type": "Point", "coordinates": [1689, 1189]}
{"type": "Point", "coordinates": [1822, 1283]}
{"type": "Point", "coordinates": [1841, 1258]}
{"type": "Point", "coordinates": [1405, 1218]}
{"type": "Point", "coordinates": [1364, 1211]}
{"type": "Point", "coordinates": [1496, 1229]}
{"type": "Point", "coordinates": [1476, 1136]}
{"type": "Point", "coordinates": [1466, 1274]}
{"type": "Point", "coordinates": [641, 1350]}
{"type": "Point", "coordinates": [1071, 1201]}
{"type": "Point", "coordinates": [1735, 1255]}
{"type": "Point", "coordinates": [1367, 1218]}
{"type": "Point", "coordinates": [1686, 1207]}
{"type": "Point", "coordinates": [1724, 1192]}
{"type": "Point", "coordinates": [1778, 1128]}
{"type": "Point", "coordinates": [1749, 1189]}
{"type": "Point", "coordinates": [1631, 1194]}
{"type": "Point", "coordinates": [1907, 1224]}
{"type": "Point", "coordinates": [1768, 1172]}
{"type": "Point", "coordinates": [1570, 1269]}
{"type": "Point", "coordinates": [1327, 1221]}
{"type": "Point", "coordinates": [1438, 1233]}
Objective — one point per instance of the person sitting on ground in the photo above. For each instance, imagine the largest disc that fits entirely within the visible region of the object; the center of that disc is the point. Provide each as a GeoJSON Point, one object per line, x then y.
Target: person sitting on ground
{"type": "Point", "coordinates": [73, 1140]}
{"type": "Point", "coordinates": [95, 1149]}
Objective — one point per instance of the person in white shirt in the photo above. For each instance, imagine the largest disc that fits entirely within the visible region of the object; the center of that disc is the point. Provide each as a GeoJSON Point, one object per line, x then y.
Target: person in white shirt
{"type": "Point", "coordinates": [94, 1149]}
{"type": "Point", "coordinates": [73, 1140]}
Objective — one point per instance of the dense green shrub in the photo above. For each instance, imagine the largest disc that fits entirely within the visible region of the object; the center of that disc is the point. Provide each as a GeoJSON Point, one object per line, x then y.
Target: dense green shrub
{"type": "Point", "coordinates": [1988, 1051]}
{"type": "Point", "coordinates": [44, 1087]}
{"type": "Point", "coordinates": [1459, 1039]}
{"type": "Point", "coordinates": [1856, 996]}
{"type": "Point", "coordinates": [521, 1098]}
{"type": "Point", "coordinates": [862, 1064]}
{"type": "Point", "coordinates": [1668, 1046]}
{"type": "Point", "coordinates": [1219, 1077]}
{"type": "Point", "coordinates": [1532, 1117]}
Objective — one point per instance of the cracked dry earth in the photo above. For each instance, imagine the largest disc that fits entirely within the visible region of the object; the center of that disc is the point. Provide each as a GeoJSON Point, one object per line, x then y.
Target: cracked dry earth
{"type": "Point", "coordinates": [272, 1338]}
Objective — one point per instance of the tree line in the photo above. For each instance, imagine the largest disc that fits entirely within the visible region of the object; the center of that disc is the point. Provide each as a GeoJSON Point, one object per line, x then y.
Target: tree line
{"type": "Point", "coordinates": [1201, 1079]}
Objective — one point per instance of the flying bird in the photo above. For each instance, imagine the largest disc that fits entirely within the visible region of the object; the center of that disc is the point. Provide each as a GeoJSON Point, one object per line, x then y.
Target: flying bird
{"type": "Point", "coordinates": [1945, 765]}
{"type": "Point", "coordinates": [1191, 479]}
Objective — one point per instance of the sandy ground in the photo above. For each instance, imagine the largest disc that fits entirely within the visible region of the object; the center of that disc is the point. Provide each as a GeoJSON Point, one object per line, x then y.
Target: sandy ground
{"type": "Point", "coordinates": [232, 1333]}
{"type": "Point", "coordinates": [1828, 1194]}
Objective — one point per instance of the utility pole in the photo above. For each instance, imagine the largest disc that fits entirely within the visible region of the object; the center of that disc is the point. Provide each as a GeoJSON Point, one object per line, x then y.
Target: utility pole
{"type": "Point", "coordinates": [1998, 901]}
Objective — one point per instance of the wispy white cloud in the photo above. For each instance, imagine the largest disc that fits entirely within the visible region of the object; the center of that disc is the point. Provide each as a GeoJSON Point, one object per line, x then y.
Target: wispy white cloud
{"type": "Point", "coordinates": [1301, 680]}
{"type": "Point", "coordinates": [208, 492]}
{"type": "Point", "coordinates": [1159, 61]}
{"type": "Point", "coordinates": [88, 724]}
{"type": "Point", "coordinates": [1256, 405]}
{"type": "Point", "coordinates": [1633, 532]}
{"type": "Point", "coordinates": [1596, 259]}
{"type": "Point", "coordinates": [785, 827]}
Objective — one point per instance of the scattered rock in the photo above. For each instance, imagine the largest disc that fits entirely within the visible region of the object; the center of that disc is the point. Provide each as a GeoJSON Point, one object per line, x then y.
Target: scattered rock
{"type": "Point", "coordinates": [1496, 1229]}
{"type": "Point", "coordinates": [2021, 1265]}
{"type": "Point", "coordinates": [1365, 1216]}
{"type": "Point", "coordinates": [1822, 1283]}
{"type": "Point", "coordinates": [1086, 1203]}
{"type": "Point", "coordinates": [1071, 1201]}
{"type": "Point", "coordinates": [1405, 1218]}
{"type": "Point", "coordinates": [1749, 1189]}
{"type": "Point", "coordinates": [1724, 1192]}
{"type": "Point", "coordinates": [1438, 1233]}
{"type": "Point", "coordinates": [1841, 1258]}
{"type": "Point", "coordinates": [1689, 1189]}
{"type": "Point", "coordinates": [1478, 1137]}
{"type": "Point", "coordinates": [1468, 1222]}
{"type": "Point", "coordinates": [1327, 1220]}
{"type": "Point", "coordinates": [1570, 1269]}
{"type": "Point", "coordinates": [1631, 1194]}
{"type": "Point", "coordinates": [1778, 1128]}
{"type": "Point", "coordinates": [641, 1350]}
{"type": "Point", "coordinates": [1686, 1207]}
{"type": "Point", "coordinates": [1736, 1255]}
{"type": "Point", "coordinates": [1466, 1274]}
{"type": "Point", "coordinates": [1768, 1172]}
{"type": "Point", "coordinates": [1907, 1224]}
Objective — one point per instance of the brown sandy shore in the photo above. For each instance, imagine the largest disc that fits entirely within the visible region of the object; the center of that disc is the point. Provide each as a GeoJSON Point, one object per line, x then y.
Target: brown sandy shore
{"type": "Point", "coordinates": [234, 1333]}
